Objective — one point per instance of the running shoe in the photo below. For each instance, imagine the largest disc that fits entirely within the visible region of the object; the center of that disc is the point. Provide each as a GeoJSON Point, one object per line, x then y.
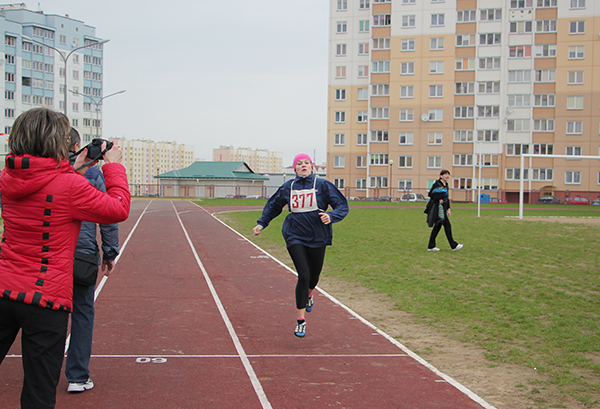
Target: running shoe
{"type": "Point", "coordinates": [300, 331]}
{"type": "Point", "coordinates": [80, 386]}
{"type": "Point", "coordinates": [309, 304]}
{"type": "Point", "coordinates": [458, 247]}
{"type": "Point", "coordinates": [433, 249]}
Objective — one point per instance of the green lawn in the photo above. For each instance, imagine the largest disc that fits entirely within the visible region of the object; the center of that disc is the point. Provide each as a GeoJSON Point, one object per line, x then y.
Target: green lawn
{"type": "Point", "coordinates": [526, 291]}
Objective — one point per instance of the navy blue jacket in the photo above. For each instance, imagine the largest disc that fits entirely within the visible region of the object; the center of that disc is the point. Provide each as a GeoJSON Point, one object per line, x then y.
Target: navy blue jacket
{"type": "Point", "coordinates": [306, 228]}
{"type": "Point", "coordinates": [86, 243]}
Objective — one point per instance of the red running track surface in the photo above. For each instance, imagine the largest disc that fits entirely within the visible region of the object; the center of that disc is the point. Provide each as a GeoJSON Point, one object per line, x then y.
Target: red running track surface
{"type": "Point", "coordinates": [196, 316]}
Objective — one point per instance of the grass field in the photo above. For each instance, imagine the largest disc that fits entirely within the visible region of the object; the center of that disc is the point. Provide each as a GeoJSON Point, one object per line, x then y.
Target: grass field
{"type": "Point", "coordinates": [526, 291]}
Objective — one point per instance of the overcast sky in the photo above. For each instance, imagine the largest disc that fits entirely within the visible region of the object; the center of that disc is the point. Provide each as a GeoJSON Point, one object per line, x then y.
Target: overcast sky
{"type": "Point", "coordinates": [247, 73]}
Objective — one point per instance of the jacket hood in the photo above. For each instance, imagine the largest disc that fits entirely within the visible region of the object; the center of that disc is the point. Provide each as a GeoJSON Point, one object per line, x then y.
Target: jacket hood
{"type": "Point", "coordinates": [26, 174]}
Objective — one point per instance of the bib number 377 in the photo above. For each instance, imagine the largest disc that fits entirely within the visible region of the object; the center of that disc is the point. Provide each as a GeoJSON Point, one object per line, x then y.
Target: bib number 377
{"type": "Point", "coordinates": [303, 200]}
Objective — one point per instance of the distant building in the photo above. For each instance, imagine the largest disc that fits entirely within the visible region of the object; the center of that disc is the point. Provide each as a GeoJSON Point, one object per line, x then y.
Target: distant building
{"type": "Point", "coordinates": [260, 160]}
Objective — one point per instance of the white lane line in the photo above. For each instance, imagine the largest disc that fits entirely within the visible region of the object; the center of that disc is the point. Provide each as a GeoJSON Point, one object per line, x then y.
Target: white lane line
{"type": "Point", "coordinates": [104, 278]}
{"type": "Point", "coordinates": [472, 395]}
{"type": "Point", "coordinates": [238, 346]}
{"type": "Point", "coordinates": [249, 356]}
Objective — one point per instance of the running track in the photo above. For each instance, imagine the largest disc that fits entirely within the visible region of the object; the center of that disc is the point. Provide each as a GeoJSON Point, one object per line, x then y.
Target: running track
{"type": "Point", "coordinates": [196, 316]}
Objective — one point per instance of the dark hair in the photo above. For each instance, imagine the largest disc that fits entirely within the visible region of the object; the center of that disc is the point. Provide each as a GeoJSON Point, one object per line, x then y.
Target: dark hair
{"type": "Point", "coordinates": [40, 132]}
{"type": "Point", "coordinates": [74, 135]}
{"type": "Point", "coordinates": [444, 171]}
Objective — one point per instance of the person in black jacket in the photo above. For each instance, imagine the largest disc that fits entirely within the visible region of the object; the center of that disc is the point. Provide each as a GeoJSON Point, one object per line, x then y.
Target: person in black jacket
{"type": "Point", "coordinates": [438, 212]}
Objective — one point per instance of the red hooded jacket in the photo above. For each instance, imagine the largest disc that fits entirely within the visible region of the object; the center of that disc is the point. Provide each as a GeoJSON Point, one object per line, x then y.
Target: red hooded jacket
{"type": "Point", "coordinates": [43, 204]}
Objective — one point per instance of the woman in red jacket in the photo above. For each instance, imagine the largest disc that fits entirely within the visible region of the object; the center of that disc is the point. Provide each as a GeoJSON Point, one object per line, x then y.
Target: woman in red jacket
{"type": "Point", "coordinates": [44, 201]}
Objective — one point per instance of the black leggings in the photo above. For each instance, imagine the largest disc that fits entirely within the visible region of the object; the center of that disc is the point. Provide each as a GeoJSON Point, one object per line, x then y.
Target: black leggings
{"type": "Point", "coordinates": [308, 262]}
{"type": "Point", "coordinates": [447, 230]}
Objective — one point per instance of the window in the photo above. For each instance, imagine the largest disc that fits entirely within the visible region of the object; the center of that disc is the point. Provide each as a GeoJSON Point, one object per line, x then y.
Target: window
{"type": "Point", "coordinates": [362, 94]}
{"type": "Point", "coordinates": [490, 39]}
{"type": "Point", "coordinates": [9, 113]}
{"type": "Point", "coordinates": [408, 21]}
{"type": "Point", "coordinates": [517, 125]}
{"type": "Point", "coordinates": [519, 100]}
{"type": "Point", "coordinates": [436, 91]}
{"type": "Point", "coordinates": [434, 162]}
{"type": "Point", "coordinates": [576, 52]}
{"type": "Point", "coordinates": [380, 66]}
{"type": "Point", "coordinates": [405, 138]}
{"type": "Point", "coordinates": [340, 94]}
{"type": "Point", "coordinates": [362, 117]}
{"type": "Point", "coordinates": [408, 44]}
{"type": "Point", "coordinates": [546, 3]}
{"type": "Point", "coordinates": [521, 27]}
{"type": "Point", "coordinates": [487, 135]}
{"type": "Point", "coordinates": [572, 177]}
{"type": "Point", "coordinates": [342, 5]}
{"type": "Point", "coordinates": [574, 127]}
{"type": "Point", "coordinates": [463, 183]}
{"type": "Point", "coordinates": [339, 183]}
{"type": "Point", "coordinates": [466, 16]}
{"type": "Point", "coordinates": [520, 4]}
{"type": "Point", "coordinates": [10, 41]}
{"type": "Point", "coordinates": [515, 174]}
{"type": "Point", "coordinates": [465, 64]}
{"type": "Point", "coordinates": [380, 113]}
{"type": "Point", "coordinates": [434, 138]}
{"type": "Point", "coordinates": [363, 49]}
{"type": "Point", "coordinates": [575, 102]}
{"type": "Point", "coordinates": [340, 72]}
{"type": "Point", "coordinates": [489, 63]}
{"type": "Point", "coordinates": [546, 26]}
{"type": "Point", "coordinates": [575, 77]}
{"type": "Point", "coordinates": [405, 184]}
{"type": "Point", "coordinates": [544, 100]}
{"type": "Point", "coordinates": [339, 139]}
{"type": "Point", "coordinates": [577, 4]}
{"type": "Point", "coordinates": [407, 115]}
{"type": "Point", "coordinates": [379, 159]}
{"type": "Point", "coordinates": [541, 174]}
{"type": "Point", "coordinates": [379, 90]}
{"type": "Point", "coordinates": [378, 181]}
{"type": "Point", "coordinates": [9, 95]}
{"type": "Point", "coordinates": [25, 81]}
{"type": "Point", "coordinates": [465, 40]}
{"type": "Point", "coordinates": [573, 150]}
{"type": "Point", "coordinates": [545, 75]}
{"type": "Point", "coordinates": [463, 135]}
{"type": "Point", "coordinates": [339, 161]}
{"type": "Point", "coordinates": [488, 111]}
{"type": "Point", "coordinates": [519, 51]}
{"type": "Point", "coordinates": [379, 136]}
{"type": "Point", "coordinates": [364, 5]}
{"type": "Point", "coordinates": [436, 115]}
{"type": "Point", "coordinates": [464, 112]}
{"type": "Point", "coordinates": [9, 77]}
{"type": "Point", "coordinates": [516, 149]}
{"type": "Point", "coordinates": [491, 15]}
{"type": "Point", "coordinates": [361, 138]}
{"type": "Point", "coordinates": [577, 27]}
{"type": "Point", "coordinates": [436, 43]}
{"type": "Point", "coordinates": [543, 149]}
{"type": "Point", "coordinates": [545, 51]}
{"type": "Point", "coordinates": [340, 50]}
{"type": "Point", "coordinates": [382, 20]}
{"type": "Point", "coordinates": [9, 59]}
{"type": "Point", "coordinates": [489, 87]}
{"type": "Point", "coordinates": [463, 159]}
{"type": "Point", "coordinates": [361, 184]}
{"type": "Point", "coordinates": [363, 71]}
{"type": "Point", "coordinates": [361, 161]}
{"type": "Point", "coordinates": [437, 20]}
{"type": "Point", "coordinates": [382, 43]}
{"type": "Point", "coordinates": [405, 161]}
{"type": "Point", "coordinates": [435, 67]}
{"type": "Point", "coordinates": [341, 27]}
{"type": "Point", "coordinates": [363, 26]}
{"type": "Point", "coordinates": [407, 68]}
{"type": "Point", "coordinates": [543, 125]}
{"type": "Point", "coordinates": [407, 91]}
{"type": "Point", "coordinates": [519, 76]}
{"type": "Point", "coordinates": [340, 117]}
{"type": "Point", "coordinates": [464, 88]}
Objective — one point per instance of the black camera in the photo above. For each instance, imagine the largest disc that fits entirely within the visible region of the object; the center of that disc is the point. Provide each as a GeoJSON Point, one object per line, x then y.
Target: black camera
{"type": "Point", "coordinates": [94, 148]}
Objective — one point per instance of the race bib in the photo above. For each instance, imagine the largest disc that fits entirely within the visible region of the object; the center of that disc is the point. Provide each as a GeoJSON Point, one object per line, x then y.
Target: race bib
{"type": "Point", "coordinates": [303, 200]}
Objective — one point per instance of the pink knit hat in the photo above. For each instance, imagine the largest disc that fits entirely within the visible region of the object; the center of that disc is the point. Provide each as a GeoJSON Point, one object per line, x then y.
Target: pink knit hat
{"type": "Point", "coordinates": [301, 156]}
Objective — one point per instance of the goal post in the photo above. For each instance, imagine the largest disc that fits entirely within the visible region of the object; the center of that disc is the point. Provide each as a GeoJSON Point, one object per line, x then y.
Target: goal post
{"type": "Point", "coordinates": [532, 155]}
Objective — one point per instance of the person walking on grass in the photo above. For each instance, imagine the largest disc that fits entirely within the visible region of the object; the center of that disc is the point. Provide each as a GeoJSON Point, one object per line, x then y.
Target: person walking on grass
{"type": "Point", "coordinates": [307, 228]}
{"type": "Point", "coordinates": [438, 212]}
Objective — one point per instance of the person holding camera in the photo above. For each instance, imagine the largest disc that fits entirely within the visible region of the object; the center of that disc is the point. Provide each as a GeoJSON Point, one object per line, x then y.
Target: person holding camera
{"type": "Point", "coordinates": [44, 202]}
{"type": "Point", "coordinates": [85, 273]}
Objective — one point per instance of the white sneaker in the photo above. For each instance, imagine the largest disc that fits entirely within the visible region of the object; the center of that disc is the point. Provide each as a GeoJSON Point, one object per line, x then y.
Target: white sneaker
{"type": "Point", "coordinates": [458, 247]}
{"type": "Point", "coordinates": [80, 386]}
{"type": "Point", "coordinates": [435, 249]}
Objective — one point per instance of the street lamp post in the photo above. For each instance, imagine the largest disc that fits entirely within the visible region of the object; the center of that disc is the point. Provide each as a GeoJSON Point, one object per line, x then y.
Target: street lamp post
{"type": "Point", "coordinates": [96, 104]}
{"type": "Point", "coordinates": [65, 58]}
{"type": "Point", "coordinates": [391, 165]}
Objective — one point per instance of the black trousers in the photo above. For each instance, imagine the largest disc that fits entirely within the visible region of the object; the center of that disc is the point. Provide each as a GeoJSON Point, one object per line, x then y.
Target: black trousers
{"type": "Point", "coordinates": [447, 230]}
{"type": "Point", "coordinates": [309, 263]}
{"type": "Point", "coordinates": [43, 336]}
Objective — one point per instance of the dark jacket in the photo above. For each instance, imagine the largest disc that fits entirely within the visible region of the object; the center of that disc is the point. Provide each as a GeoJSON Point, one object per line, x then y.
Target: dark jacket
{"type": "Point", "coordinates": [439, 190]}
{"type": "Point", "coordinates": [86, 243]}
{"type": "Point", "coordinates": [306, 228]}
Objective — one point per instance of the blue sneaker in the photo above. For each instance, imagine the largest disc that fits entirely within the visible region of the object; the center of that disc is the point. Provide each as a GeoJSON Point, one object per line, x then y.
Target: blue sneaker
{"type": "Point", "coordinates": [309, 304]}
{"type": "Point", "coordinates": [300, 331]}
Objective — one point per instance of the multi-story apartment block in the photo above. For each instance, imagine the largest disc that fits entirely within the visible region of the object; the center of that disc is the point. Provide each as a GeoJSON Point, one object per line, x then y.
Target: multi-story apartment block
{"type": "Point", "coordinates": [259, 160]}
{"type": "Point", "coordinates": [34, 73]}
{"type": "Point", "coordinates": [145, 159]}
{"type": "Point", "coordinates": [416, 86]}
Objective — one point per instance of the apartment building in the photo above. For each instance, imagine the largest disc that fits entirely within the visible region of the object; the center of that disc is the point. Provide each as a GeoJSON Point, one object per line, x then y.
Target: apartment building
{"type": "Point", "coordinates": [416, 86]}
{"type": "Point", "coordinates": [259, 160]}
{"type": "Point", "coordinates": [145, 159]}
{"type": "Point", "coordinates": [34, 73]}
